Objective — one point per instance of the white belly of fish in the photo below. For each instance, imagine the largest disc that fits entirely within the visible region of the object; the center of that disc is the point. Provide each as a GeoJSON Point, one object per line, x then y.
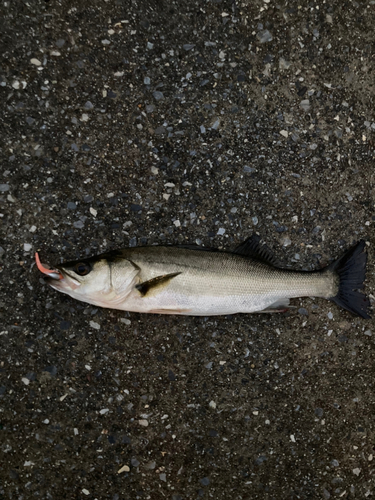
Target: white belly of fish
{"type": "Point", "coordinates": [168, 303]}
{"type": "Point", "coordinates": [184, 297]}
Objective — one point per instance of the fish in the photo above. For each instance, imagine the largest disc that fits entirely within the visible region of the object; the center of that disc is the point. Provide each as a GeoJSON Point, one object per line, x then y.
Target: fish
{"type": "Point", "coordinates": [197, 281]}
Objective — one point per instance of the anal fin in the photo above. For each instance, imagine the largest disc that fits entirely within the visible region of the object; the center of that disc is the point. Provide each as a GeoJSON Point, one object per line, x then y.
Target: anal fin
{"type": "Point", "coordinates": [280, 305]}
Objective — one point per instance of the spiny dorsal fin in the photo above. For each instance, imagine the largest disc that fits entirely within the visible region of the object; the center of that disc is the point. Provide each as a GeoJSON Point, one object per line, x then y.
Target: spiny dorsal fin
{"type": "Point", "coordinates": [252, 248]}
{"type": "Point", "coordinates": [150, 285]}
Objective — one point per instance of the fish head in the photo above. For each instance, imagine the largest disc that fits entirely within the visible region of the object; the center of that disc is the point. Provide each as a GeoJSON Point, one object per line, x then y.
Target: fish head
{"type": "Point", "coordinates": [96, 280]}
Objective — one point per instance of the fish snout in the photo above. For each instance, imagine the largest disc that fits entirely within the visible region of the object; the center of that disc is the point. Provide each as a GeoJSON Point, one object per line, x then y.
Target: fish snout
{"type": "Point", "coordinates": [52, 274]}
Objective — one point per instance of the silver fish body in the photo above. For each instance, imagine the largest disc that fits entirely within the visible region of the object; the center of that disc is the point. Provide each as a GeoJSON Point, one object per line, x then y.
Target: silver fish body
{"type": "Point", "coordinates": [179, 280]}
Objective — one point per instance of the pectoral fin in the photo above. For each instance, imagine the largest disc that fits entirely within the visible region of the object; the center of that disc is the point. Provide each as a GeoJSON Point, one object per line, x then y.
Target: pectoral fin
{"type": "Point", "coordinates": [153, 284]}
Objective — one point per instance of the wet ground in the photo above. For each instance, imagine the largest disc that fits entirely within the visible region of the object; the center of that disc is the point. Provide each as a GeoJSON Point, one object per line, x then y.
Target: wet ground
{"type": "Point", "coordinates": [127, 123]}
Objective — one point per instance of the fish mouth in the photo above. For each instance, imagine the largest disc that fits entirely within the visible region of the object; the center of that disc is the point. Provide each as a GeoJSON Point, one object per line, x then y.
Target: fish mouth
{"type": "Point", "coordinates": [51, 274]}
{"type": "Point", "coordinates": [56, 278]}
{"type": "Point", "coordinates": [57, 283]}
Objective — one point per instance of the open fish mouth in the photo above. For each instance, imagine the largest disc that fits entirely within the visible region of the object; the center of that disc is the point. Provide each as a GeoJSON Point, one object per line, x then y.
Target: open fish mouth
{"type": "Point", "coordinates": [53, 274]}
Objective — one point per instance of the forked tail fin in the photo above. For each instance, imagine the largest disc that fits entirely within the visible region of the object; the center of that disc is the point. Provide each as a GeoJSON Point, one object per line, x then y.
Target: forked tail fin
{"type": "Point", "coordinates": [351, 269]}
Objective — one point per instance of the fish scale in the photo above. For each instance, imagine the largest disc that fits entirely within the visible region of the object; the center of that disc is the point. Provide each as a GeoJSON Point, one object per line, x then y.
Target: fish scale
{"type": "Point", "coordinates": [220, 282]}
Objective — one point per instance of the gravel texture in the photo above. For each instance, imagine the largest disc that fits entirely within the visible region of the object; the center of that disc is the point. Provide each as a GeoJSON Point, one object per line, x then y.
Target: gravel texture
{"type": "Point", "coordinates": [126, 123]}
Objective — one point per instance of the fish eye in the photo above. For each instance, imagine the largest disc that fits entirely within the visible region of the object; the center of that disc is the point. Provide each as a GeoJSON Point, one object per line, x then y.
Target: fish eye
{"type": "Point", "coordinates": [82, 268]}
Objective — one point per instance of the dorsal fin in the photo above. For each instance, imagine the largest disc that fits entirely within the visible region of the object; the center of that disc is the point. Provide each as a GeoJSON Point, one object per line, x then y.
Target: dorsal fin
{"type": "Point", "coordinates": [252, 248]}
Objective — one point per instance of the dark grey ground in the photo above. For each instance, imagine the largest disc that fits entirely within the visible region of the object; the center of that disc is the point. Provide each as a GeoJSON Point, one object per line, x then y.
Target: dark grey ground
{"type": "Point", "coordinates": [168, 122]}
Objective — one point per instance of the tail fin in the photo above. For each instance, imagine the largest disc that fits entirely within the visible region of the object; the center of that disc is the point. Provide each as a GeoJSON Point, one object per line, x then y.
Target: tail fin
{"type": "Point", "coordinates": [351, 269]}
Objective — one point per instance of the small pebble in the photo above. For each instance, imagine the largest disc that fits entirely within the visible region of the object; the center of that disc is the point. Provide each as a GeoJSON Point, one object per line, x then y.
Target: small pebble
{"type": "Point", "coordinates": [319, 413]}
{"type": "Point", "coordinates": [124, 468]}
{"type": "Point", "coordinates": [36, 62]}
{"type": "Point", "coordinates": [88, 105]}
{"type": "Point", "coordinates": [283, 63]}
{"type": "Point", "coordinates": [326, 494]}
{"type": "Point", "coordinates": [221, 231]}
{"type": "Point", "coordinates": [330, 315]}
{"type": "Point", "coordinates": [104, 411]}
{"type": "Point", "coordinates": [27, 247]}
{"type": "Point", "coordinates": [305, 104]}
{"type": "Point", "coordinates": [143, 422]}
{"type": "Point", "coordinates": [158, 95]}
{"type": "Point", "coordinates": [248, 169]}
{"type": "Point", "coordinates": [150, 465]}
{"type": "Point", "coordinates": [95, 325]}
{"type": "Point", "coordinates": [85, 492]}
{"type": "Point", "coordinates": [264, 36]}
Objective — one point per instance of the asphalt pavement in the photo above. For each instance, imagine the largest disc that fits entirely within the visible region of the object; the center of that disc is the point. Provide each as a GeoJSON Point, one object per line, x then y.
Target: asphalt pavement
{"type": "Point", "coordinates": [126, 123]}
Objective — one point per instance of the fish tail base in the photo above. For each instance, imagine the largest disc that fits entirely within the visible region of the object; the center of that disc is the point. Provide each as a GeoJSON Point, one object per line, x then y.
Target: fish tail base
{"type": "Point", "coordinates": [351, 270]}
